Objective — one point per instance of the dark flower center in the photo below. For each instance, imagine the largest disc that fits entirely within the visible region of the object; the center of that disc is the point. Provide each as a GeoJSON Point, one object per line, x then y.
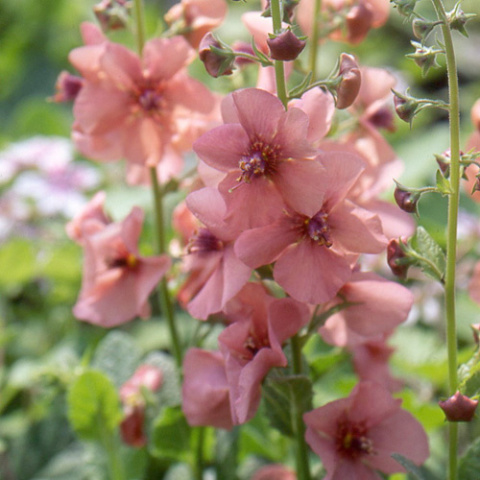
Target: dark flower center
{"type": "Point", "coordinates": [261, 160]}
{"type": "Point", "coordinates": [204, 242]}
{"type": "Point", "coordinates": [253, 345]}
{"type": "Point", "coordinates": [121, 257]}
{"type": "Point", "coordinates": [352, 440]}
{"type": "Point", "coordinates": [150, 100]}
{"type": "Point", "coordinates": [318, 230]}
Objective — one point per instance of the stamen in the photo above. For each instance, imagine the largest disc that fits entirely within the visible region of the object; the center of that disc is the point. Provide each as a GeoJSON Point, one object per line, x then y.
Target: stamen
{"type": "Point", "coordinates": [204, 242]}
{"type": "Point", "coordinates": [318, 230]}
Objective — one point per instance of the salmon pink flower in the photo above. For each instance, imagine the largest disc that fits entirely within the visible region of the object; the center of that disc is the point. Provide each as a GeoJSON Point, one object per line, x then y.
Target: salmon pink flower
{"type": "Point", "coordinates": [264, 152]}
{"type": "Point", "coordinates": [370, 360]}
{"type": "Point", "coordinates": [205, 392]}
{"type": "Point", "coordinates": [315, 246]}
{"type": "Point", "coordinates": [253, 345]}
{"type": "Point", "coordinates": [356, 436]}
{"type": "Point", "coordinates": [132, 427]}
{"type": "Point", "coordinates": [116, 279]}
{"type": "Point", "coordinates": [131, 107]}
{"type": "Point", "coordinates": [216, 273]}
{"type": "Point", "coordinates": [195, 18]}
{"type": "Point", "coordinates": [377, 307]}
{"type": "Point", "coordinates": [92, 212]}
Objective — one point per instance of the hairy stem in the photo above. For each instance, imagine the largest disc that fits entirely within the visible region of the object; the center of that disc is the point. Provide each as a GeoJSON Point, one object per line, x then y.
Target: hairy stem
{"type": "Point", "coordinates": [302, 463]}
{"type": "Point", "coordinates": [279, 68]}
{"type": "Point", "coordinates": [165, 299]}
{"type": "Point", "coordinates": [454, 118]}
{"type": "Point", "coordinates": [140, 25]}
{"type": "Point", "coordinates": [314, 39]}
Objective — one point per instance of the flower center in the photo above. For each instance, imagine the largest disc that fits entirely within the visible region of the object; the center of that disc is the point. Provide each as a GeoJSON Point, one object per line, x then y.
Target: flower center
{"type": "Point", "coordinates": [126, 260]}
{"type": "Point", "coordinates": [253, 345]}
{"type": "Point", "coordinates": [204, 242]}
{"type": "Point", "coordinates": [318, 230]}
{"type": "Point", "coordinates": [259, 161]}
{"type": "Point", "coordinates": [150, 100]}
{"type": "Point", "coordinates": [352, 440]}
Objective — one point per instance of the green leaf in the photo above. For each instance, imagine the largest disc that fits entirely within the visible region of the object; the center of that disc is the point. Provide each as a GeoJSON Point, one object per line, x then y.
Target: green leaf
{"type": "Point", "coordinates": [171, 435]}
{"type": "Point", "coordinates": [410, 467]}
{"type": "Point", "coordinates": [428, 254]}
{"type": "Point", "coordinates": [117, 356]}
{"type": "Point", "coordinates": [93, 405]}
{"type": "Point", "coordinates": [469, 464]}
{"type": "Point", "coordinates": [443, 185]}
{"type": "Point", "coordinates": [285, 397]}
{"type": "Point", "coordinates": [470, 385]}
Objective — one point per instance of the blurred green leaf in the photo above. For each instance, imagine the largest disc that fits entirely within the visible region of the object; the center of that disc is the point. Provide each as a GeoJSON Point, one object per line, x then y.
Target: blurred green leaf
{"type": "Point", "coordinates": [226, 453]}
{"type": "Point", "coordinates": [409, 466]}
{"type": "Point", "coordinates": [117, 356]}
{"type": "Point", "coordinates": [428, 254]}
{"type": "Point", "coordinates": [469, 464]}
{"type": "Point", "coordinates": [285, 397]}
{"type": "Point", "coordinates": [171, 435]}
{"type": "Point", "coordinates": [93, 405]}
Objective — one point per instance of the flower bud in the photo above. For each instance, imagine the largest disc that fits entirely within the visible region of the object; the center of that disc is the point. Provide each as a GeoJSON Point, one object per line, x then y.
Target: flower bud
{"type": "Point", "coordinates": [443, 161]}
{"type": "Point", "coordinates": [349, 86]}
{"type": "Point", "coordinates": [406, 199]}
{"type": "Point", "coordinates": [405, 7]}
{"type": "Point", "coordinates": [459, 408]}
{"type": "Point", "coordinates": [217, 58]}
{"type": "Point", "coordinates": [67, 87]}
{"type": "Point", "coordinates": [424, 57]}
{"type": "Point", "coordinates": [395, 255]}
{"type": "Point", "coordinates": [457, 19]}
{"type": "Point", "coordinates": [286, 46]}
{"type": "Point", "coordinates": [405, 106]}
{"type": "Point", "coordinates": [112, 14]}
{"type": "Point", "coordinates": [422, 28]}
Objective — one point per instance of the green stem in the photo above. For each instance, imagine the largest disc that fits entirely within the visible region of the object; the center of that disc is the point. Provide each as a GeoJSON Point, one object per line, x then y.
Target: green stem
{"type": "Point", "coordinates": [303, 466]}
{"type": "Point", "coordinates": [279, 68]}
{"type": "Point", "coordinates": [165, 300]}
{"type": "Point", "coordinates": [115, 464]}
{"type": "Point", "coordinates": [453, 203]}
{"type": "Point", "coordinates": [314, 39]}
{"type": "Point", "coordinates": [140, 25]}
{"type": "Point", "coordinates": [199, 432]}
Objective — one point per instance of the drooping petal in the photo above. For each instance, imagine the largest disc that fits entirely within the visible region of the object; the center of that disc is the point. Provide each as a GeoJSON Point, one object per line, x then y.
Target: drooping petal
{"type": "Point", "coordinates": [356, 229]}
{"type": "Point", "coordinates": [311, 273]}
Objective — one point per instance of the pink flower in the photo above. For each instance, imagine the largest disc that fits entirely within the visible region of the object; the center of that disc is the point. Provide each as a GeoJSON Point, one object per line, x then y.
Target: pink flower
{"type": "Point", "coordinates": [263, 150]}
{"type": "Point", "coordinates": [360, 16]}
{"type": "Point", "coordinates": [474, 286]}
{"type": "Point", "coordinates": [132, 427]}
{"type": "Point", "coordinates": [116, 279]}
{"type": "Point", "coordinates": [274, 472]}
{"type": "Point", "coordinates": [253, 345]}
{"type": "Point", "coordinates": [315, 246]}
{"type": "Point", "coordinates": [370, 360]}
{"type": "Point", "coordinates": [133, 108]}
{"type": "Point", "coordinates": [356, 436]}
{"type": "Point", "coordinates": [379, 306]}
{"type": "Point", "coordinates": [216, 273]}
{"type": "Point", "coordinates": [205, 397]}
{"type": "Point", "coordinates": [196, 17]}
{"type": "Point", "coordinates": [94, 214]}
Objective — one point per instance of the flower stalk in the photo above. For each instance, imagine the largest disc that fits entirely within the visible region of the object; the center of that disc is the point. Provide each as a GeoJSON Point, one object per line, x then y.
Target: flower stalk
{"type": "Point", "coordinates": [453, 203]}
{"type": "Point", "coordinates": [315, 39]}
{"type": "Point", "coordinates": [279, 67]}
{"type": "Point", "coordinates": [165, 299]}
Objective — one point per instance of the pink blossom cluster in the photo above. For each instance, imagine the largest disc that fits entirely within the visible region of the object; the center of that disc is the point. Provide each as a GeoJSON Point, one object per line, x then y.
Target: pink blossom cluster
{"type": "Point", "coordinates": [275, 228]}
